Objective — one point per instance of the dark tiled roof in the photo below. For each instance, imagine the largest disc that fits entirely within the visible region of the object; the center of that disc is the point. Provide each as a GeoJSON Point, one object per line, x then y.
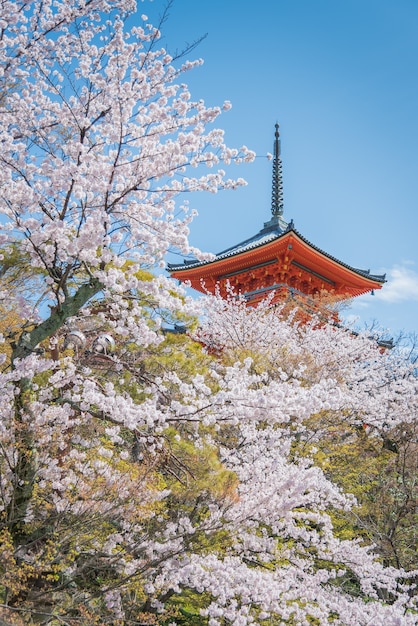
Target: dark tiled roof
{"type": "Point", "coordinates": [271, 231]}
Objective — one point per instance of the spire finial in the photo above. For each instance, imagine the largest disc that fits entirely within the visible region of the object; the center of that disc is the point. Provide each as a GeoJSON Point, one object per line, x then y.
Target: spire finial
{"type": "Point", "coordinates": [277, 193]}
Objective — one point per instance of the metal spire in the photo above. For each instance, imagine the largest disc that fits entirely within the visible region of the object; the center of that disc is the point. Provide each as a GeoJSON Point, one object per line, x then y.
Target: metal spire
{"type": "Point", "coordinates": [277, 193]}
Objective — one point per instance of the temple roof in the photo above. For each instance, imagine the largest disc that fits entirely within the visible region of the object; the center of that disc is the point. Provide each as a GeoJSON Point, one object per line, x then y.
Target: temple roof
{"type": "Point", "coordinates": [273, 239]}
{"type": "Point", "coordinates": [269, 233]}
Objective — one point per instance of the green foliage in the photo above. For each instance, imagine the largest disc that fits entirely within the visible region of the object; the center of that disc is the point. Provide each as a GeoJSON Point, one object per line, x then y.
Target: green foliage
{"type": "Point", "coordinates": [188, 605]}
{"type": "Point", "coordinates": [380, 471]}
{"type": "Point", "coordinates": [177, 353]}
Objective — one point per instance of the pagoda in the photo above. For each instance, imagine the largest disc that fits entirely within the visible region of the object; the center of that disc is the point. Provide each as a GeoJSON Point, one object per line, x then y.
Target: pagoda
{"type": "Point", "coordinates": [278, 261]}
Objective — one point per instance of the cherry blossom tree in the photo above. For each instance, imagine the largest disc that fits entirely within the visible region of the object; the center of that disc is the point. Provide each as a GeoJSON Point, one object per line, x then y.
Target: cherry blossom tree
{"type": "Point", "coordinates": [99, 135]}
{"type": "Point", "coordinates": [148, 476]}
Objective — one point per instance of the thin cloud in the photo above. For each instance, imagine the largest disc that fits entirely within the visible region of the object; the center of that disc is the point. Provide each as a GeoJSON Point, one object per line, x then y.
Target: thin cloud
{"type": "Point", "coordinates": [401, 286]}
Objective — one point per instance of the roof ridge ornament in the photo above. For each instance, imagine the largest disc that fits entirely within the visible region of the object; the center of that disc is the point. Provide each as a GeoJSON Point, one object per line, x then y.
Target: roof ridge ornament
{"type": "Point", "coordinates": [277, 202]}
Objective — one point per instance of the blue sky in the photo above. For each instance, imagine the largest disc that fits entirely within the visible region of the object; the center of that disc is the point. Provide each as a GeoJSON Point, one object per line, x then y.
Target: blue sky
{"type": "Point", "coordinates": [341, 78]}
